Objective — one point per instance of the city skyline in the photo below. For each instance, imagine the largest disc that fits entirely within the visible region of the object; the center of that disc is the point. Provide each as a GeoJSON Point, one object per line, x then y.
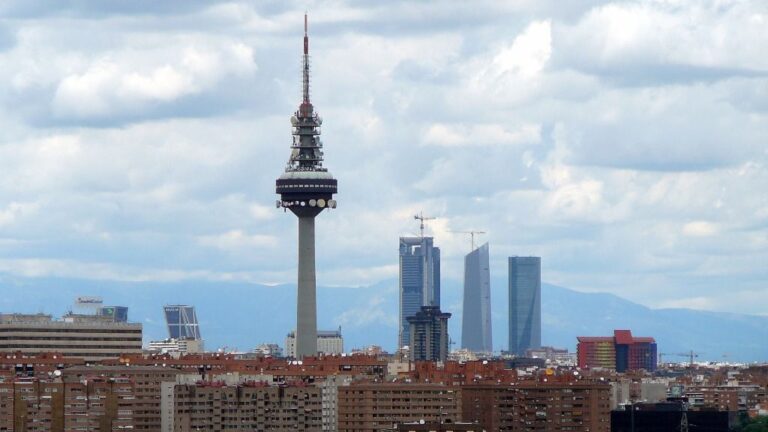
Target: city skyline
{"type": "Point", "coordinates": [129, 158]}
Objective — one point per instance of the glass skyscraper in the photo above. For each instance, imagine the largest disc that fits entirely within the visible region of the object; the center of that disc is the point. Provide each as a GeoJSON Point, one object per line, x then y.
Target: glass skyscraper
{"type": "Point", "coordinates": [476, 313]}
{"type": "Point", "coordinates": [419, 280]}
{"type": "Point", "coordinates": [182, 322]}
{"type": "Point", "coordinates": [524, 304]}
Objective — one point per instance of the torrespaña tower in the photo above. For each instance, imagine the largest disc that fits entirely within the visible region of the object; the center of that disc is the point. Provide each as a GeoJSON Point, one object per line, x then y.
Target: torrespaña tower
{"type": "Point", "coordinates": [306, 188]}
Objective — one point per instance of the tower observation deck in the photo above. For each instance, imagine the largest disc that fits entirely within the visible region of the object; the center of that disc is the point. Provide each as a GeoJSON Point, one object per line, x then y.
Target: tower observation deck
{"type": "Point", "coordinates": [306, 188]}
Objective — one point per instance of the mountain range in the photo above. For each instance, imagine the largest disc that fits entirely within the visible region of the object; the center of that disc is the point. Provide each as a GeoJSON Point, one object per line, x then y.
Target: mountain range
{"type": "Point", "coordinates": [242, 315]}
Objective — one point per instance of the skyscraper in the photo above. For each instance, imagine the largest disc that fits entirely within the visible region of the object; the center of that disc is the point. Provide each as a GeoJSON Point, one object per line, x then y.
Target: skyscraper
{"type": "Point", "coordinates": [182, 322]}
{"type": "Point", "coordinates": [476, 314]}
{"type": "Point", "coordinates": [524, 304]}
{"type": "Point", "coordinates": [306, 188]}
{"type": "Point", "coordinates": [419, 280]}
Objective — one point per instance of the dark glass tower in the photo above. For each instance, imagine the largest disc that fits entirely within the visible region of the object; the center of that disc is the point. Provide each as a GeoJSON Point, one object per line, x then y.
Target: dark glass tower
{"type": "Point", "coordinates": [524, 304]}
{"type": "Point", "coordinates": [182, 322]}
{"type": "Point", "coordinates": [306, 188]}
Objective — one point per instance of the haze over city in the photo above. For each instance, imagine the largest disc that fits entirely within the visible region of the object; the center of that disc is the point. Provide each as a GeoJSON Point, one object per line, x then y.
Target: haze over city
{"type": "Point", "coordinates": [624, 142]}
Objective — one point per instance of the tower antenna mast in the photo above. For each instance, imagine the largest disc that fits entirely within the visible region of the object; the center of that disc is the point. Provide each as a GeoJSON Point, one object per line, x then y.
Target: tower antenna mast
{"type": "Point", "coordinates": [306, 188]}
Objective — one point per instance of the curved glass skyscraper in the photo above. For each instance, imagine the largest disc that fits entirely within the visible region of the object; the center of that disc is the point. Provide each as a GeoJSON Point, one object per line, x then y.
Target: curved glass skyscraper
{"type": "Point", "coordinates": [476, 313]}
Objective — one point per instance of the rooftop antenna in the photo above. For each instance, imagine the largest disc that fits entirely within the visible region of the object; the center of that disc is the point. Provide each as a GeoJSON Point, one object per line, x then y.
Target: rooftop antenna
{"type": "Point", "coordinates": [471, 235]}
{"type": "Point", "coordinates": [305, 64]}
{"type": "Point", "coordinates": [420, 217]}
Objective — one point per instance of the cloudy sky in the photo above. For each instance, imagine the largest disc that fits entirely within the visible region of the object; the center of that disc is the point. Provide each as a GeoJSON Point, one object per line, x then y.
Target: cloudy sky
{"type": "Point", "coordinates": [624, 142]}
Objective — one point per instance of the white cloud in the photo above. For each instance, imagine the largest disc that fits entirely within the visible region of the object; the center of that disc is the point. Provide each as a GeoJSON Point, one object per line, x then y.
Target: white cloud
{"type": "Point", "coordinates": [709, 34]}
{"type": "Point", "coordinates": [14, 211]}
{"type": "Point", "coordinates": [237, 240]}
{"type": "Point", "coordinates": [477, 135]}
{"type": "Point", "coordinates": [700, 229]}
{"type": "Point", "coordinates": [118, 84]}
{"type": "Point", "coordinates": [526, 57]}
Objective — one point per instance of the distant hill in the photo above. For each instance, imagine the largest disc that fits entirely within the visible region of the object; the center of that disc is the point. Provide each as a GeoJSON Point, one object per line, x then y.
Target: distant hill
{"type": "Point", "coordinates": [241, 315]}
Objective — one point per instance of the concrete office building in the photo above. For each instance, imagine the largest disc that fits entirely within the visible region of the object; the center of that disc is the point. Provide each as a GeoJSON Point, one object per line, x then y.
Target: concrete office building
{"type": "Point", "coordinates": [306, 188]}
{"type": "Point", "coordinates": [329, 342]}
{"type": "Point", "coordinates": [476, 313]}
{"type": "Point", "coordinates": [90, 337]}
{"type": "Point", "coordinates": [182, 322]}
{"type": "Point", "coordinates": [524, 304]}
{"type": "Point", "coordinates": [429, 334]}
{"type": "Point", "coordinates": [419, 280]}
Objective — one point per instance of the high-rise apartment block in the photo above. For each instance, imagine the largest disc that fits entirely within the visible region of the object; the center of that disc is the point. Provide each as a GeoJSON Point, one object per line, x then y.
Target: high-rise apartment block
{"type": "Point", "coordinates": [546, 406]}
{"type": "Point", "coordinates": [429, 334]}
{"type": "Point", "coordinates": [182, 322]}
{"type": "Point", "coordinates": [247, 406]}
{"type": "Point", "coordinates": [381, 406]}
{"type": "Point", "coordinates": [621, 353]}
{"type": "Point", "coordinates": [476, 314]}
{"type": "Point", "coordinates": [91, 337]}
{"type": "Point", "coordinates": [419, 280]}
{"type": "Point", "coordinates": [524, 304]}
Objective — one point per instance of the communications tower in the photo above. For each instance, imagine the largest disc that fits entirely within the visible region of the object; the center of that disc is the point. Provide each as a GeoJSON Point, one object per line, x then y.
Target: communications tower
{"type": "Point", "coordinates": [306, 189]}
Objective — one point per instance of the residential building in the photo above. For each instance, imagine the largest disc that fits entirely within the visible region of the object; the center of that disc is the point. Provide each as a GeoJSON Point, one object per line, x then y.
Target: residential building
{"type": "Point", "coordinates": [429, 334]}
{"type": "Point", "coordinates": [255, 406]}
{"type": "Point", "coordinates": [329, 390]}
{"type": "Point", "coordinates": [90, 337]}
{"type": "Point", "coordinates": [419, 280]}
{"type": "Point", "coordinates": [476, 314]}
{"type": "Point", "coordinates": [555, 405]}
{"type": "Point", "coordinates": [146, 382]}
{"type": "Point", "coordinates": [381, 406]}
{"type": "Point", "coordinates": [524, 304]}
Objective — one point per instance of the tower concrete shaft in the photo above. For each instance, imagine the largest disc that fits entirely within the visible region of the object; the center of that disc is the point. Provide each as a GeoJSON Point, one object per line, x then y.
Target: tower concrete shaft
{"type": "Point", "coordinates": [306, 188]}
{"type": "Point", "coordinates": [306, 310]}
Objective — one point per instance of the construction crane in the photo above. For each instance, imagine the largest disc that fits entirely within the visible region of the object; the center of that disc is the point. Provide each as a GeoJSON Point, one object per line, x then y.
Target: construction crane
{"type": "Point", "coordinates": [690, 354]}
{"type": "Point", "coordinates": [471, 234]}
{"type": "Point", "coordinates": [420, 217]}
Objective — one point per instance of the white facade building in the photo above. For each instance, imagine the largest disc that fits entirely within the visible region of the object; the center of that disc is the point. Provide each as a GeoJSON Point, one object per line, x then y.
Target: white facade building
{"type": "Point", "coordinates": [328, 343]}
